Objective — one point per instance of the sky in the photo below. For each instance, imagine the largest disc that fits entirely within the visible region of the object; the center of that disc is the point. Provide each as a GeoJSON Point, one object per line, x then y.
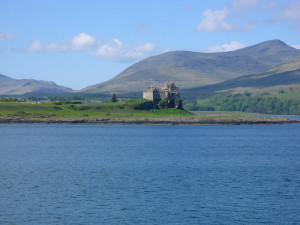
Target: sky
{"type": "Point", "coordinates": [78, 43]}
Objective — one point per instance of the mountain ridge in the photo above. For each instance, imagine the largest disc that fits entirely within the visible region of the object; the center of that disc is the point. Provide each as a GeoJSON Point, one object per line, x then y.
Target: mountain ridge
{"type": "Point", "coordinates": [194, 69]}
{"type": "Point", "coordinates": [190, 71]}
{"type": "Point", "coordinates": [11, 86]}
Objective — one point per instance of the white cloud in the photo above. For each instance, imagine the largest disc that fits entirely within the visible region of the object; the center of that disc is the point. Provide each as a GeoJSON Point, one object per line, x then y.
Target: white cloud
{"type": "Point", "coordinates": [167, 50]}
{"type": "Point", "coordinates": [35, 46]}
{"type": "Point", "coordinates": [113, 50]}
{"type": "Point", "coordinates": [220, 19]}
{"type": "Point", "coordinates": [57, 47]}
{"type": "Point", "coordinates": [244, 15]}
{"type": "Point", "coordinates": [291, 12]}
{"type": "Point", "coordinates": [82, 40]}
{"type": "Point", "coordinates": [234, 45]}
{"type": "Point", "coordinates": [5, 37]}
{"type": "Point", "coordinates": [217, 20]}
{"type": "Point", "coordinates": [296, 46]}
{"type": "Point", "coordinates": [214, 20]}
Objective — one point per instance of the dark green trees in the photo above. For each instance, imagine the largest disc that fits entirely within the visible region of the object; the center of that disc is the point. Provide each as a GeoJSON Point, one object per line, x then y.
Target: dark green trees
{"type": "Point", "coordinates": [113, 97]}
{"type": "Point", "coordinates": [247, 103]}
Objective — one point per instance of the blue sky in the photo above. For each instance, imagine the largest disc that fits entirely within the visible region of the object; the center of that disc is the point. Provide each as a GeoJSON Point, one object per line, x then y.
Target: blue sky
{"type": "Point", "coordinates": [78, 43]}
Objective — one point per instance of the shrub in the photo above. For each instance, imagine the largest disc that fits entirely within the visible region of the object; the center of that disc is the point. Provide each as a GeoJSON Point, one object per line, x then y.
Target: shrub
{"type": "Point", "coordinates": [57, 108]}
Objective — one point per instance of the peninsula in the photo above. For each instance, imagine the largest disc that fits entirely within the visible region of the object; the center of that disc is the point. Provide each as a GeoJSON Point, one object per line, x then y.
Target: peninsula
{"type": "Point", "coordinates": [124, 112]}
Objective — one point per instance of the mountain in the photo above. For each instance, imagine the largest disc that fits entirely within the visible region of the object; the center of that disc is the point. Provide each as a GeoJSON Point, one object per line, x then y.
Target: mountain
{"type": "Point", "coordinates": [10, 86]}
{"type": "Point", "coordinates": [292, 64]}
{"type": "Point", "coordinates": [279, 77]}
{"type": "Point", "coordinates": [193, 69]}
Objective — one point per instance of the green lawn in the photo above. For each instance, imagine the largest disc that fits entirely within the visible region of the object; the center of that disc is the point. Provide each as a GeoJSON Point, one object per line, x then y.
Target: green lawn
{"type": "Point", "coordinates": [124, 109]}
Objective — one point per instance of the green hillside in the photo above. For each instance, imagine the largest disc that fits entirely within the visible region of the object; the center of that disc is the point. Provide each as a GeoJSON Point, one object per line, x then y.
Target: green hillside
{"type": "Point", "coordinates": [289, 65]}
{"type": "Point", "coordinates": [192, 69]}
{"type": "Point", "coordinates": [286, 76]}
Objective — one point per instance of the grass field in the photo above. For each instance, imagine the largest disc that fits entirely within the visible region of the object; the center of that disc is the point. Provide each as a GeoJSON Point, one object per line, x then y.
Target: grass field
{"type": "Point", "coordinates": [122, 112]}
{"type": "Point", "coordinates": [124, 109]}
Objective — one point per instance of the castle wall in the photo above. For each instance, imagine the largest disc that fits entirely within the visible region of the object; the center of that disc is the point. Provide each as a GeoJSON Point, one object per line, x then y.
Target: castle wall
{"type": "Point", "coordinates": [152, 95]}
{"type": "Point", "coordinates": [148, 95]}
{"type": "Point", "coordinates": [163, 94]}
{"type": "Point", "coordinates": [170, 91]}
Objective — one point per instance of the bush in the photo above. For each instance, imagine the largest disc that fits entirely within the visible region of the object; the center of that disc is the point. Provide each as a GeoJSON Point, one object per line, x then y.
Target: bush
{"type": "Point", "coordinates": [73, 107]}
{"type": "Point", "coordinates": [57, 108]}
{"type": "Point", "coordinates": [114, 98]}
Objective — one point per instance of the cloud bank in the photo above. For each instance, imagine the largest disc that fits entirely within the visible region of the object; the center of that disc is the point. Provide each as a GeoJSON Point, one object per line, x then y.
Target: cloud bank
{"type": "Point", "coordinates": [290, 13]}
{"type": "Point", "coordinates": [217, 20]}
{"type": "Point", "coordinates": [244, 15]}
{"type": "Point", "coordinates": [234, 45]}
{"type": "Point", "coordinates": [112, 50]}
{"type": "Point", "coordinates": [5, 37]}
{"type": "Point", "coordinates": [214, 20]}
{"type": "Point", "coordinates": [296, 46]}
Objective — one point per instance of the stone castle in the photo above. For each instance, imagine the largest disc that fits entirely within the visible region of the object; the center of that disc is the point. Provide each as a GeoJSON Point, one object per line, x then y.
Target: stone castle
{"type": "Point", "coordinates": [167, 96]}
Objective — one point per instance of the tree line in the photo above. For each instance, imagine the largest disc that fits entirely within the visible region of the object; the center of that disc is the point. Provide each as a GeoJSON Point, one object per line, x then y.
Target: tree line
{"type": "Point", "coordinates": [246, 103]}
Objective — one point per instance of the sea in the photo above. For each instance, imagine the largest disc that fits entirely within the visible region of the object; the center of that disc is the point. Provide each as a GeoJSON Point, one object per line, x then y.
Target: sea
{"type": "Point", "coordinates": [142, 174]}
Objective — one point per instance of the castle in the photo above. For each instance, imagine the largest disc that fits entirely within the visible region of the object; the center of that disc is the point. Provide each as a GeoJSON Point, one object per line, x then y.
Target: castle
{"type": "Point", "coordinates": [168, 96]}
{"type": "Point", "coordinates": [169, 91]}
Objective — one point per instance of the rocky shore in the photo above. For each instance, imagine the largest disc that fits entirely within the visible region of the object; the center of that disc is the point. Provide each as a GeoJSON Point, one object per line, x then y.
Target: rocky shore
{"type": "Point", "coordinates": [151, 121]}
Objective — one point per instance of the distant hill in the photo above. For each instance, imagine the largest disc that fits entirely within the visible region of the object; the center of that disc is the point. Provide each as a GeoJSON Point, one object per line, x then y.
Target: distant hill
{"type": "Point", "coordinates": [10, 86]}
{"type": "Point", "coordinates": [193, 69]}
{"type": "Point", "coordinates": [281, 76]}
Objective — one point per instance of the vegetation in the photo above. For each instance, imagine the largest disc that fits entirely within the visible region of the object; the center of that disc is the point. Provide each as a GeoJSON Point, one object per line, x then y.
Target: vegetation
{"type": "Point", "coordinates": [61, 98]}
{"type": "Point", "coordinates": [113, 98]}
{"type": "Point", "coordinates": [125, 109]}
{"type": "Point", "coordinates": [66, 102]}
{"type": "Point", "coordinates": [131, 111]}
{"type": "Point", "coordinates": [12, 99]}
{"type": "Point", "coordinates": [264, 103]}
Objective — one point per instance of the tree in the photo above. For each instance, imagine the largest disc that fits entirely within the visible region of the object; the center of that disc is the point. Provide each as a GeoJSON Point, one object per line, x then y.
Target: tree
{"type": "Point", "coordinates": [114, 97]}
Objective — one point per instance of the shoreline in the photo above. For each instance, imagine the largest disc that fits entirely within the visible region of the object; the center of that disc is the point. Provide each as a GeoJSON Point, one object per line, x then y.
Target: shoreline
{"type": "Point", "coordinates": [108, 121]}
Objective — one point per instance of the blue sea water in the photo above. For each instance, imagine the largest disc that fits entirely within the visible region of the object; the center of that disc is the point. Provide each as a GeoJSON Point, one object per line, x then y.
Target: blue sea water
{"type": "Point", "coordinates": [119, 174]}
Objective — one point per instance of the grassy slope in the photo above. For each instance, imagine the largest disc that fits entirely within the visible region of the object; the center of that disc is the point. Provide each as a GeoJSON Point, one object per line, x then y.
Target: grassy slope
{"type": "Point", "coordinates": [290, 65]}
{"type": "Point", "coordinates": [283, 77]}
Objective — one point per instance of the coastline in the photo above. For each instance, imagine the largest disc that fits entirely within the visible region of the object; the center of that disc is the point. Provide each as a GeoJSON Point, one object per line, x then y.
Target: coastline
{"type": "Point", "coordinates": [151, 121]}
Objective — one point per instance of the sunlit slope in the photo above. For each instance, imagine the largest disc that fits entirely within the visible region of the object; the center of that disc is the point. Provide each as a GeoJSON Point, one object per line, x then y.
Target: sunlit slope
{"type": "Point", "coordinates": [287, 75]}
